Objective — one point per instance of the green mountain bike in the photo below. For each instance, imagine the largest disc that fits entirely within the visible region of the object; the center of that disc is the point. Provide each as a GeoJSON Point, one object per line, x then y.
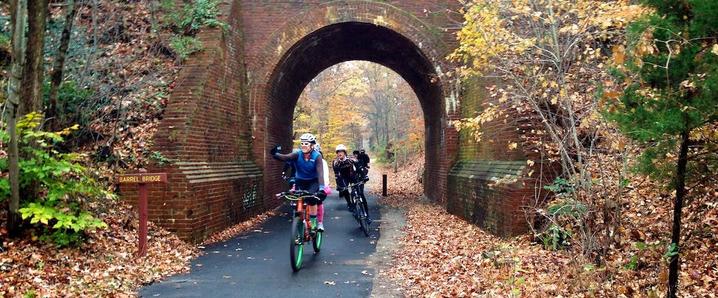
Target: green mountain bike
{"type": "Point", "coordinates": [303, 230]}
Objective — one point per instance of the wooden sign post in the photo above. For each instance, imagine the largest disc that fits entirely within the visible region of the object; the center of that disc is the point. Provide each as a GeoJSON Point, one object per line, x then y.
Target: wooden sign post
{"type": "Point", "coordinates": [142, 180]}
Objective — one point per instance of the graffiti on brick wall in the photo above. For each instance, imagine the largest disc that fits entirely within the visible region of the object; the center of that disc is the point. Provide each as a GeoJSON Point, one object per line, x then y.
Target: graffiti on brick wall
{"type": "Point", "coordinates": [249, 198]}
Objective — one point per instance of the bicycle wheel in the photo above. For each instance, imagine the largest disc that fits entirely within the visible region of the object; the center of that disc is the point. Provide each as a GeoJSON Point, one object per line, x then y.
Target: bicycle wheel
{"type": "Point", "coordinates": [355, 205]}
{"type": "Point", "coordinates": [296, 247]}
{"type": "Point", "coordinates": [317, 241]}
{"type": "Point", "coordinates": [363, 218]}
{"type": "Point", "coordinates": [357, 212]}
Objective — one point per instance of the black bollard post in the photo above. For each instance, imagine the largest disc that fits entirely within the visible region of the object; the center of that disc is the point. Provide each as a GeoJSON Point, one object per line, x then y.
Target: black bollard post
{"type": "Point", "coordinates": [383, 185]}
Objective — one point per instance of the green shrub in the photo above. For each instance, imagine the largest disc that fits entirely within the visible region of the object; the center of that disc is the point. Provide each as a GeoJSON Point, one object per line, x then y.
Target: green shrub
{"type": "Point", "coordinates": [193, 16]}
{"type": "Point", "coordinates": [185, 23]}
{"type": "Point", "coordinates": [381, 156]}
{"type": "Point", "coordinates": [30, 294]}
{"type": "Point", "coordinates": [564, 213]}
{"type": "Point", "coordinates": [184, 46]}
{"type": "Point", "coordinates": [560, 186]}
{"type": "Point", "coordinates": [62, 238]}
{"type": "Point", "coordinates": [64, 184]}
{"type": "Point", "coordinates": [4, 41]}
{"type": "Point", "coordinates": [567, 207]}
{"type": "Point", "coordinates": [555, 237]}
{"type": "Point", "coordinates": [160, 159]}
{"type": "Point", "coordinates": [72, 100]}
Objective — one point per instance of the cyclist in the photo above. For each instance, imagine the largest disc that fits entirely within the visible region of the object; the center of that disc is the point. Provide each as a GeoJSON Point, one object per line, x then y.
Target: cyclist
{"type": "Point", "coordinates": [362, 164]}
{"type": "Point", "coordinates": [361, 160]}
{"type": "Point", "coordinates": [309, 174]}
{"type": "Point", "coordinates": [325, 170]}
{"type": "Point", "coordinates": [345, 173]}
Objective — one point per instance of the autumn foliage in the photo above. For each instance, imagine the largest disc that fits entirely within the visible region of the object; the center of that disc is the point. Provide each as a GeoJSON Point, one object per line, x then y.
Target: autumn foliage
{"type": "Point", "coordinates": [363, 106]}
{"type": "Point", "coordinates": [556, 63]}
{"type": "Point", "coordinates": [613, 89]}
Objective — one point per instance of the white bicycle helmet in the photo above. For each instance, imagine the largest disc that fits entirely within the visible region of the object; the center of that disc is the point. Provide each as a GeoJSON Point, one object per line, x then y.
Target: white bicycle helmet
{"type": "Point", "coordinates": [307, 137]}
{"type": "Point", "coordinates": [341, 147]}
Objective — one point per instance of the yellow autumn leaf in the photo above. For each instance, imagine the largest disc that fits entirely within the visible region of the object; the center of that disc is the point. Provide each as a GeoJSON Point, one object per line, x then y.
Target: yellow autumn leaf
{"type": "Point", "coordinates": [504, 97]}
{"type": "Point", "coordinates": [544, 83]}
{"type": "Point", "coordinates": [611, 94]}
{"type": "Point", "coordinates": [513, 146]}
{"type": "Point", "coordinates": [619, 55]}
{"type": "Point", "coordinates": [715, 49]}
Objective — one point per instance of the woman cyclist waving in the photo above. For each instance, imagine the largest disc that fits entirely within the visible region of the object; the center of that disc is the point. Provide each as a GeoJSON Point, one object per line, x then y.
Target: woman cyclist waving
{"type": "Point", "coordinates": [309, 174]}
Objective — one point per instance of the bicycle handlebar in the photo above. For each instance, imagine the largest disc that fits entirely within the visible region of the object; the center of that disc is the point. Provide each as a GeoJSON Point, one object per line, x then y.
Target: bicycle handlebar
{"type": "Point", "coordinates": [356, 183]}
{"type": "Point", "coordinates": [296, 195]}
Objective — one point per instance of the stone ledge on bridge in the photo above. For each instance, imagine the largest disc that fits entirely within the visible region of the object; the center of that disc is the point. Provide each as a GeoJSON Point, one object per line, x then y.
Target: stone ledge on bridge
{"type": "Point", "coordinates": [198, 172]}
{"type": "Point", "coordinates": [490, 193]}
{"type": "Point", "coordinates": [202, 198]}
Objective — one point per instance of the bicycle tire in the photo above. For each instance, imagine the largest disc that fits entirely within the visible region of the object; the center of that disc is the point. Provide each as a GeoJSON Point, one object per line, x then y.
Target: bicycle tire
{"type": "Point", "coordinates": [356, 213]}
{"type": "Point", "coordinates": [317, 241]}
{"type": "Point", "coordinates": [363, 219]}
{"type": "Point", "coordinates": [355, 207]}
{"type": "Point", "coordinates": [296, 245]}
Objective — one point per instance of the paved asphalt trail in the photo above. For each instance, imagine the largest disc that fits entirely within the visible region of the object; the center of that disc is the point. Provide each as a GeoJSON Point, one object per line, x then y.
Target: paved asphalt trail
{"type": "Point", "coordinates": [257, 264]}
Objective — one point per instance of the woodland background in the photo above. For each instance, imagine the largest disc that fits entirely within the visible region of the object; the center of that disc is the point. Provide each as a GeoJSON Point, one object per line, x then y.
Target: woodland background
{"type": "Point", "coordinates": [623, 91]}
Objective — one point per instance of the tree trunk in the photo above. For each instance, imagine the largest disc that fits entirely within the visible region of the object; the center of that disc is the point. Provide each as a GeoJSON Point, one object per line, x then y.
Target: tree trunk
{"type": "Point", "coordinates": [13, 15]}
{"type": "Point", "coordinates": [56, 76]}
{"type": "Point", "coordinates": [32, 75]}
{"type": "Point", "coordinates": [31, 92]}
{"type": "Point", "coordinates": [18, 59]}
{"type": "Point", "coordinates": [386, 125]}
{"type": "Point", "coordinates": [680, 193]}
{"type": "Point", "coordinates": [377, 134]}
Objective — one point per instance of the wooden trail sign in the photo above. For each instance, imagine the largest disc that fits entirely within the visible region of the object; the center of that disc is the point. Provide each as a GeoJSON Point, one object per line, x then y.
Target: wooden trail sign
{"type": "Point", "coordinates": [142, 179]}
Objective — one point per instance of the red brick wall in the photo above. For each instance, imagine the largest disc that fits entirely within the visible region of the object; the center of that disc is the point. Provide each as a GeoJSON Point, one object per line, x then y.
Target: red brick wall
{"type": "Point", "coordinates": [234, 100]}
{"type": "Point", "coordinates": [206, 122]}
{"type": "Point", "coordinates": [501, 208]}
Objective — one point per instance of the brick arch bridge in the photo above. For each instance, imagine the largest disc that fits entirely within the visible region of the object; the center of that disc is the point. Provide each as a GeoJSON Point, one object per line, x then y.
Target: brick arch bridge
{"type": "Point", "coordinates": [235, 99]}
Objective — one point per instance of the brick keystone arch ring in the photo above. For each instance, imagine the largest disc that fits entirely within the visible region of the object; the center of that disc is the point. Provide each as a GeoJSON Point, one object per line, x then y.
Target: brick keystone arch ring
{"type": "Point", "coordinates": [341, 31]}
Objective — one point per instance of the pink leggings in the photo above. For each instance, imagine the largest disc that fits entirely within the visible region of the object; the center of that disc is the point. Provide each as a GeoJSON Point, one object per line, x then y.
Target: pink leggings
{"type": "Point", "coordinates": [320, 213]}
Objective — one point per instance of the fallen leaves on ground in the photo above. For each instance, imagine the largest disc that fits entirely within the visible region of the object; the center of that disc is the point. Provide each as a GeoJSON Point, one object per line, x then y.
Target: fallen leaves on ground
{"type": "Point", "coordinates": [442, 255]}
{"type": "Point", "coordinates": [105, 265]}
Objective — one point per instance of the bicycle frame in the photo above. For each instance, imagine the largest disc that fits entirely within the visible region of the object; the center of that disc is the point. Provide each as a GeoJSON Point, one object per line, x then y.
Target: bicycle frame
{"type": "Point", "coordinates": [360, 212]}
{"type": "Point", "coordinates": [354, 191]}
{"type": "Point", "coordinates": [301, 232]}
{"type": "Point", "coordinates": [299, 210]}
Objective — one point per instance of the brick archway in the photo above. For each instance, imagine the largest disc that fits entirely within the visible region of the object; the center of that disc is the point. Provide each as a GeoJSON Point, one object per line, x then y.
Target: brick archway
{"type": "Point", "coordinates": [341, 31]}
{"type": "Point", "coordinates": [235, 98]}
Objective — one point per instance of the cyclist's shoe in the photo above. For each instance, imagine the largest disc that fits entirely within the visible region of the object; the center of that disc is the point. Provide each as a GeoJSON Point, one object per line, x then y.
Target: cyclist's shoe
{"type": "Point", "coordinates": [320, 227]}
{"type": "Point", "coordinates": [366, 178]}
{"type": "Point", "coordinates": [368, 220]}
